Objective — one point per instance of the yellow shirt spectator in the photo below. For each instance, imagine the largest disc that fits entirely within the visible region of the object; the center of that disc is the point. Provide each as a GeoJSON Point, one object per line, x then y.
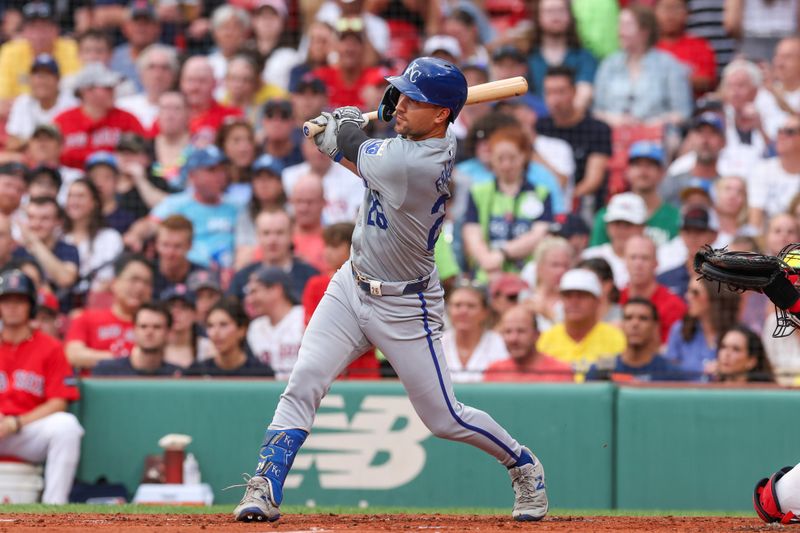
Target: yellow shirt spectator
{"type": "Point", "coordinates": [602, 341]}
{"type": "Point", "coordinates": [16, 58]}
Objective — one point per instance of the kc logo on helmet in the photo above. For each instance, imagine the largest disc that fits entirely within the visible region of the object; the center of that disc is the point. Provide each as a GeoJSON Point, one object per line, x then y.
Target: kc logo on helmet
{"type": "Point", "coordinates": [413, 72]}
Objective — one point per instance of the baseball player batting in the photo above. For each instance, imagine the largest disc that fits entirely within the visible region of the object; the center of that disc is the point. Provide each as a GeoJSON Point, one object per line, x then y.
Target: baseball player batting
{"type": "Point", "coordinates": [775, 498]}
{"type": "Point", "coordinates": [388, 294]}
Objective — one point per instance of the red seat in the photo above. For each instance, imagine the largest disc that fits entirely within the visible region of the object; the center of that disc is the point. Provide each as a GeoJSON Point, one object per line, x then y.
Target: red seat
{"type": "Point", "coordinates": [622, 137]}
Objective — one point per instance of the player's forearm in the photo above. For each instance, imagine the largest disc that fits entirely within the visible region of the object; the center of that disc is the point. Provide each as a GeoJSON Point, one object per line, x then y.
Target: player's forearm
{"type": "Point", "coordinates": [81, 356]}
{"type": "Point", "coordinates": [53, 405]}
{"type": "Point", "coordinates": [525, 244]}
{"type": "Point", "coordinates": [349, 139]}
{"type": "Point", "coordinates": [593, 175]}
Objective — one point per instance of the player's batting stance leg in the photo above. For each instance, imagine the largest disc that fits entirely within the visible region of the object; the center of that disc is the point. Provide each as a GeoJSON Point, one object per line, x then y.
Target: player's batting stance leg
{"type": "Point", "coordinates": [407, 181]}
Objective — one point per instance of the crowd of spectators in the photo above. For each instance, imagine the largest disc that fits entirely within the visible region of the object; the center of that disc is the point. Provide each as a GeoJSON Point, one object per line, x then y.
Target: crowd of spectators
{"type": "Point", "coordinates": [156, 188]}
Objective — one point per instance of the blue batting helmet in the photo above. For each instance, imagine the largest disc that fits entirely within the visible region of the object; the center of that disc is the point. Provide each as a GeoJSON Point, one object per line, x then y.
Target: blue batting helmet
{"type": "Point", "coordinates": [434, 81]}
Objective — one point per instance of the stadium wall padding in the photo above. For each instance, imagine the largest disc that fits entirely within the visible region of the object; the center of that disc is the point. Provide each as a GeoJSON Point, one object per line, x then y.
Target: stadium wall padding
{"type": "Point", "coordinates": [603, 447]}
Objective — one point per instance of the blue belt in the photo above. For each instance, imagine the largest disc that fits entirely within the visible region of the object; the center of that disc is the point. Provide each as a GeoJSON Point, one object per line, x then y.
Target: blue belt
{"type": "Point", "coordinates": [380, 288]}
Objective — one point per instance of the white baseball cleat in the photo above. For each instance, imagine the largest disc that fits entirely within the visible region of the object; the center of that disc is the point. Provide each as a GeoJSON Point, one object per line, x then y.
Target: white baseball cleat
{"type": "Point", "coordinates": [530, 493]}
{"type": "Point", "coordinates": [257, 503]}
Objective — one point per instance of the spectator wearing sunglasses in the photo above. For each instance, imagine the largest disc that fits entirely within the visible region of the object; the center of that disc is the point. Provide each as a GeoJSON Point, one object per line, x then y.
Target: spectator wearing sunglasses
{"type": "Point", "coordinates": [505, 291]}
{"type": "Point", "coordinates": [283, 136]}
{"type": "Point", "coordinates": [775, 181]}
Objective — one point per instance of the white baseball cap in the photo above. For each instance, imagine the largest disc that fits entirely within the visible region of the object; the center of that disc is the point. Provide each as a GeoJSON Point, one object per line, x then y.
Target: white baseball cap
{"type": "Point", "coordinates": [581, 279]}
{"type": "Point", "coordinates": [626, 207]}
{"type": "Point", "coordinates": [445, 43]}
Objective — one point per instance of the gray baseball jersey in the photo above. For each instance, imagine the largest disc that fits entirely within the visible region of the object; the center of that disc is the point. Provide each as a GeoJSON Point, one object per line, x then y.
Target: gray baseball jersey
{"type": "Point", "coordinates": [407, 186]}
{"type": "Point", "coordinates": [400, 219]}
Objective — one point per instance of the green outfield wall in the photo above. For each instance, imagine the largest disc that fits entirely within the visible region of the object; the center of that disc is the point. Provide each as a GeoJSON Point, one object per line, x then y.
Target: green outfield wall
{"type": "Point", "coordinates": [603, 447]}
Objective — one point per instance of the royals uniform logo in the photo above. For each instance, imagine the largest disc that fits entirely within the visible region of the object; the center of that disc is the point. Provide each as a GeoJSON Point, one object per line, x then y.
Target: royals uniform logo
{"type": "Point", "coordinates": [344, 451]}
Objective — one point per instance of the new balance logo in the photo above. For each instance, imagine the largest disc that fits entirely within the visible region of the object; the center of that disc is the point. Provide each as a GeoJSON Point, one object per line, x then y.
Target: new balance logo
{"type": "Point", "coordinates": [379, 448]}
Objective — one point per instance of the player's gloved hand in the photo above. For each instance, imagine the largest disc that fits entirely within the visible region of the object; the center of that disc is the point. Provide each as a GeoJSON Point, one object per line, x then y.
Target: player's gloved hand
{"type": "Point", "coordinates": [326, 139]}
{"type": "Point", "coordinates": [388, 103]}
{"type": "Point", "coordinates": [347, 114]}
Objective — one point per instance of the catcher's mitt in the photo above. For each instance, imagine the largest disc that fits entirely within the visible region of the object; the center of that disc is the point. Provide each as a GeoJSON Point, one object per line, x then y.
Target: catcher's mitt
{"type": "Point", "coordinates": [740, 271]}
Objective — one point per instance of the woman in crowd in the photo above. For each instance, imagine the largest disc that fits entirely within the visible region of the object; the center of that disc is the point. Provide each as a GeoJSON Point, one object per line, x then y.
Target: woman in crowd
{"type": "Point", "coordinates": [640, 84]}
{"type": "Point", "coordinates": [782, 229]}
{"type": "Point", "coordinates": [741, 357]}
{"type": "Point", "coordinates": [552, 258]}
{"type": "Point", "coordinates": [237, 140]}
{"type": "Point", "coordinates": [245, 90]}
{"type": "Point", "coordinates": [730, 204]}
{"type": "Point", "coordinates": [508, 215]}
{"type": "Point", "coordinates": [226, 327]}
{"type": "Point", "coordinates": [692, 342]}
{"type": "Point", "coordinates": [556, 44]}
{"type": "Point", "coordinates": [185, 345]}
{"type": "Point", "coordinates": [319, 44]}
{"type": "Point", "coordinates": [85, 228]}
{"type": "Point", "coordinates": [469, 345]}
{"type": "Point", "coordinates": [609, 311]}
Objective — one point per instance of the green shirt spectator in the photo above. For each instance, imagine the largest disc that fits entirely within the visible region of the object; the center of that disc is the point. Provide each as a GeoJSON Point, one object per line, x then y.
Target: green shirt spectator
{"type": "Point", "coordinates": [597, 25]}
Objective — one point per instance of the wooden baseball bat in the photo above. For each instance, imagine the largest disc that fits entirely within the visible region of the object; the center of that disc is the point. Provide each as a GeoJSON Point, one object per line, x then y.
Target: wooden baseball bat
{"type": "Point", "coordinates": [477, 94]}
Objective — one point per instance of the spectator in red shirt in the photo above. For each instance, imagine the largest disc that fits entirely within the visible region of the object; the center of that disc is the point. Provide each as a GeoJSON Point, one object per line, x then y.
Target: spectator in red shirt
{"type": "Point", "coordinates": [206, 115]}
{"type": "Point", "coordinates": [518, 329]}
{"type": "Point", "coordinates": [307, 202]}
{"type": "Point", "coordinates": [640, 260]}
{"type": "Point", "coordinates": [98, 334]}
{"type": "Point", "coordinates": [36, 384]}
{"type": "Point", "coordinates": [346, 79]}
{"type": "Point", "coordinates": [96, 124]}
{"type": "Point", "coordinates": [695, 52]}
{"type": "Point", "coordinates": [338, 238]}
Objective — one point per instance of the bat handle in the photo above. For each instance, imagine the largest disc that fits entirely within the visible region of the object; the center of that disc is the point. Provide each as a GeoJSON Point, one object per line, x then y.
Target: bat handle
{"type": "Point", "coordinates": [310, 129]}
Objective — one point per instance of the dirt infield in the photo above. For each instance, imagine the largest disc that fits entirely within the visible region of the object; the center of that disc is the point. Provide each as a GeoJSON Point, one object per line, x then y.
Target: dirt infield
{"type": "Point", "coordinates": [174, 523]}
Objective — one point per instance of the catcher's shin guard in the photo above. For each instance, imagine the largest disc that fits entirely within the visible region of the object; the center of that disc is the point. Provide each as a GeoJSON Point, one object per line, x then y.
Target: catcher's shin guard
{"type": "Point", "coordinates": [276, 457]}
{"type": "Point", "coordinates": [765, 500]}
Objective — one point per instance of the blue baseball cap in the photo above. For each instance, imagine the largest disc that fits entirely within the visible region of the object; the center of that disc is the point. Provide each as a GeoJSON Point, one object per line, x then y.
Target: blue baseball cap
{"type": "Point", "coordinates": [646, 150]}
{"type": "Point", "coordinates": [101, 158]}
{"type": "Point", "coordinates": [179, 291]}
{"type": "Point", "coordinates": [709, 118]}
{"type": "Point", "coordinates": [45, 62]}
{"type": "Point", "coordinates": [267, 163]}
{"type": "Point", "coordinates": [270, 275]}
{"type": "Point", "coordinates": [207, 157]}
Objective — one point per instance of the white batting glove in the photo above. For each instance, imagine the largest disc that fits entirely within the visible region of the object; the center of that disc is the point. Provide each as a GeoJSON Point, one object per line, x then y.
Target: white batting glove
{"type": "Point", "coordinates": [349, 114]}
{"type": "Point", "coordinates": [326, 139]}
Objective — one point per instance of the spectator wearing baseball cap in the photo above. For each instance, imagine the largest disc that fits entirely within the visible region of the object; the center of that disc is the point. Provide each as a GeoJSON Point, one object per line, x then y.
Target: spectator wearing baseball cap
{"type": "Point", "coordinates": [284, 136]}
{"type": "Point", "coordinates": [375, 29]}
{"type": "Point", "coordinates": [581, 339]}
{"type": "Point", "coordinates": [505, 290]}
{"type": "Point", "coordinates": [185, 344]}
{"type": "Point", "coordinates": [102, 169]}
{"type": "Point", "coordinates": [444, 47]}
{"type": "Point", "coordinates": [40, 106]}
{"type": "Point", "coordinates": [625, 217]}
{"type": "Point", "coordinates": [508, 61]}
{"type": "Point", "coordinates": [39, 36]}
{"type": "Point", "coordinates": [207, 288]}
{"type": "Point", "coordinates": [645, 173]}
{"type": "Point", "coordinates": [574, 229]}
{"type": "Point", "coordinates": [141, 29]}
{"type": "Point", "coordinates": [213, 218]}
{"type": "Point", "coordinates": [676, 259]}
{"type": "Point", "coordinates": [81, 126]}
{"type": "Point", "coordinates": [309, 97]}
{"type": "Point", "coordinates": [275, 333]}
{"type": "Point", "coordinates": [701, 166]}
